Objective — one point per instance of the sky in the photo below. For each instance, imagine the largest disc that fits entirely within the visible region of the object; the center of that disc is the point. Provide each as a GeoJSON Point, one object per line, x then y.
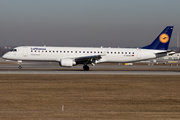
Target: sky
{"type": "Point", "coordinates": [87, 23]}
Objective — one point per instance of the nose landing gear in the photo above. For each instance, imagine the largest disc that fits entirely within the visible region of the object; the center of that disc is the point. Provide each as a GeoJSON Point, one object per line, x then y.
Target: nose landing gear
{"type": "Point", "coordinates": [20, 67]}
{"type": "Point", "coordinates": [19, 62]}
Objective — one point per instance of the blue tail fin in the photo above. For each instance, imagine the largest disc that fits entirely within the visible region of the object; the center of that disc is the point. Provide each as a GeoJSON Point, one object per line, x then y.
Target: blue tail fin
{"type": "Point", "coordinates": [162, 41]}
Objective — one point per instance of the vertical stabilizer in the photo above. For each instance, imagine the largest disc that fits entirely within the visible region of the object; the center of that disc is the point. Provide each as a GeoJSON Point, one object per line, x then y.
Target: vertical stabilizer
{"type": "Point", "coordinates": [162, 41]}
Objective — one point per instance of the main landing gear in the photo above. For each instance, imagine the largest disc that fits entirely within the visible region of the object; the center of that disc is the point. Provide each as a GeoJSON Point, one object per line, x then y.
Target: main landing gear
{"type": "Point", "coordinates": [86, 68]}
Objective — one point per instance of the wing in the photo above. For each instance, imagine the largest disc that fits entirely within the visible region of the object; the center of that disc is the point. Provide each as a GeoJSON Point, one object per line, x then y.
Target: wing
{"type": "Point", "coordinates": [87, 59]}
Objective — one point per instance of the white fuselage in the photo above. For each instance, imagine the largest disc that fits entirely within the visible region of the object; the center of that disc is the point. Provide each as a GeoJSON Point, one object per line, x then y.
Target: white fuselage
{"type": "Point", "coordinates": [55, 54]}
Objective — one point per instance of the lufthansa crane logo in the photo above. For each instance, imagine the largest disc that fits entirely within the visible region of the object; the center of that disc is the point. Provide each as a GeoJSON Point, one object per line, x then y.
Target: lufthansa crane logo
{"type": "Point", "coordinates": [164, 38]}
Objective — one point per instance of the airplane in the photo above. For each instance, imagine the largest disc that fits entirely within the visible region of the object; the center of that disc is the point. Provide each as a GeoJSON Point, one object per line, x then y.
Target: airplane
{"type": "Point", "coordinates": [71, 56]}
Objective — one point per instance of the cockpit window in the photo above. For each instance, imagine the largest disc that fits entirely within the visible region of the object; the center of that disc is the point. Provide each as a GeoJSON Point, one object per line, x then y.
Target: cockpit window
{"type": "Point", "coordinates": [13, 50]}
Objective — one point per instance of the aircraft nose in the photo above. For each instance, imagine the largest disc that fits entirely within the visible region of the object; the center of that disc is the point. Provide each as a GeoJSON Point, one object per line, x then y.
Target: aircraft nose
{"type": "Point", "coordinates": [4, 56]}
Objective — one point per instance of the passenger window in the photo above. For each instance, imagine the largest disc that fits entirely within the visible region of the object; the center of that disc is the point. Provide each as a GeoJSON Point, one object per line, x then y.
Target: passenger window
{"type": "Point", "coordinates": [132, 52]}
{"type": "Point", "coordinates": [114, 52]}
{"type": "Point", "coordinates": [129, 52]}
{"type": "Point", "coordinates": [122, 52]}
{"type": "Point", "coordinates": [125, 52]}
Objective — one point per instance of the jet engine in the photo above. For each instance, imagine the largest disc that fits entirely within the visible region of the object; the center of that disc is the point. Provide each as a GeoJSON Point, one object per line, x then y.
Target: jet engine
{"type": "Point", "coordinates": [67, 62]}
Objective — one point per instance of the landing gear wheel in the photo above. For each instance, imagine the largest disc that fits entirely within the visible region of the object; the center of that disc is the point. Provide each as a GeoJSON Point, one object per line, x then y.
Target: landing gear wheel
{"type": "Point", "coordinates": [86, 68]}
{"type": "Point", "coordinates": [20, 67]}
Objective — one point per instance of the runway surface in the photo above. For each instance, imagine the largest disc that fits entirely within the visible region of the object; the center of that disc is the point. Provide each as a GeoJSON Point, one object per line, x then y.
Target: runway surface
{"type": "Point", "coordinates": [11, 67]}
{"type": "Point", "coordinates": [93, 72]}
{"type": "Point", "coordinates": [54, 68]}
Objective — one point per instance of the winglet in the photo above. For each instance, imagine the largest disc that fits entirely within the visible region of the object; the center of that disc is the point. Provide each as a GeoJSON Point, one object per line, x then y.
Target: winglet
{"type": "Point", "coordinates": [162, 41]}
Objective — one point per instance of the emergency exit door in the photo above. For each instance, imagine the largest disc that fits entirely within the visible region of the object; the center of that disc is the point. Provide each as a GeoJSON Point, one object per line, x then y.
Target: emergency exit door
{"type": "Point", "coordinates": [139, 53]}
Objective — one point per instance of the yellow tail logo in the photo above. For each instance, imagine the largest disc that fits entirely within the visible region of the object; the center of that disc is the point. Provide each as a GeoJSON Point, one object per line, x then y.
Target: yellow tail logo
{"type": "Point", "coordinates": [164, 38]}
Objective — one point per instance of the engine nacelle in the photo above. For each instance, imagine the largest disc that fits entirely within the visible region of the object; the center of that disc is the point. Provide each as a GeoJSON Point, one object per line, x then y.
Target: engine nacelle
{"type": "Point", "coordinates": [67, 63]}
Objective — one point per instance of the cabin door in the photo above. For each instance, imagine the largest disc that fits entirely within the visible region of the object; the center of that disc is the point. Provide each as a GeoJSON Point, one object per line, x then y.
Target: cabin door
{"type": "Point", "coordinates": [25, 51]}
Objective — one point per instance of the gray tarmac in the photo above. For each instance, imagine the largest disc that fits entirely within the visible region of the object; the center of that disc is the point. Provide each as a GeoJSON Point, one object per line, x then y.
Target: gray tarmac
{"type": "Point", "coordinates": [92, 72]}
{"type": "Point", "coordinates": [11, 67]}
